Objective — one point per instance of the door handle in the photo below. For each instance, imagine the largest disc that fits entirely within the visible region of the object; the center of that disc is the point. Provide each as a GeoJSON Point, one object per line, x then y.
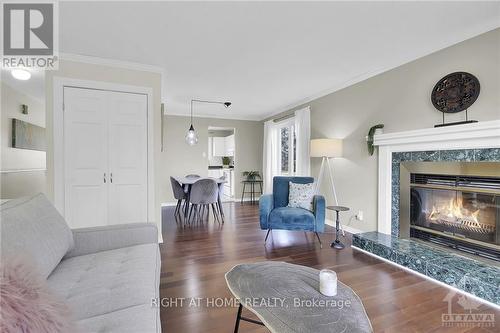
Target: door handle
{"type": "Point", "coordinates": [104, 178]}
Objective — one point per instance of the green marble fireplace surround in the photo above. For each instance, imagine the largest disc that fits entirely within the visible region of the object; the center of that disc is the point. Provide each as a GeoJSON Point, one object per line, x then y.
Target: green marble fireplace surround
{"type": "Point", "coordinates": [471, 276]}
{"type": "Point", "coordinates": [477, 277]}
{"type": "Point", "coordinates": [456, 155]}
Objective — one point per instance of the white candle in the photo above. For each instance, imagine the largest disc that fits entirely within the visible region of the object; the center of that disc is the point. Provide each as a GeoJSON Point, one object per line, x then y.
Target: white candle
{"type": "Point", "coordinates": [328, 282]}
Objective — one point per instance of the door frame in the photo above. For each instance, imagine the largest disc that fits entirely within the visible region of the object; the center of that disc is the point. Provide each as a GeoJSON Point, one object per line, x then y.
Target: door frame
{"type": "Point", "coordinates": [59, 83]}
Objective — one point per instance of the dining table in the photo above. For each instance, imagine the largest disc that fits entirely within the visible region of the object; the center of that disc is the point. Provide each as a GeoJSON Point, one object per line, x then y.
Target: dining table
{"type": "Point", "coordinates": [187, 182]}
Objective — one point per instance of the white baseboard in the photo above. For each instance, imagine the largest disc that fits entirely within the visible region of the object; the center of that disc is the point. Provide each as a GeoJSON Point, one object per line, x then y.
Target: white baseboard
{"type": "Point", "coordinates": [174, 203]}
{"type": "Point", "coordinates": [347, 228]}
{"type": "Point", "coordinates": [245, 199]}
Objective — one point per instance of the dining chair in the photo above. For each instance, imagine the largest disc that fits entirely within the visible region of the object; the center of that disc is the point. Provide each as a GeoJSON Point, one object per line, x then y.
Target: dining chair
{"type": "Point", "coordinates": [179, 194]}
{"type": "Point", "coordinates": [192, 176]}
{"type": "Point", "coordinates": [204, 193]}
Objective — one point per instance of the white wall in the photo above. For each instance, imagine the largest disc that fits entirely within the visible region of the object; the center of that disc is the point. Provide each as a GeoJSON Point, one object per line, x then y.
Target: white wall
{"type": "Point", "coordinates": [400, 99]}
{"type": "Point", "coordinates": [16, 184]}
{"type": "Point", "coordinates": [180, 159]}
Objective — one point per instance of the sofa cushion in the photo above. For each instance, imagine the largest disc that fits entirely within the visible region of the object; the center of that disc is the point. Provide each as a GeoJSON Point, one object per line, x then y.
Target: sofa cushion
{"type": "Point", "coordinates": [107, 281]}
{"type": "Point", "coordinates": [289, 218]}
{"type": "Point", "coordinates": [140, 318]}
{"type": "Point", "coordinates": [31, 226]}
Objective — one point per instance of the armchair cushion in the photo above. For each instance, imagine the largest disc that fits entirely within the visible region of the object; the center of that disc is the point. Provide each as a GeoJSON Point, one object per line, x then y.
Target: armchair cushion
{"type": "Point", "coordinates": [290, 218]}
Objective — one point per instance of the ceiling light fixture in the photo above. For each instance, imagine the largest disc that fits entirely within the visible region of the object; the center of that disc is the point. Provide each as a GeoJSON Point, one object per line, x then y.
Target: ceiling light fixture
{"type": "Point", "coordinates": [191, 136]}
{"type": "Point", "coordinates": [20, 74]}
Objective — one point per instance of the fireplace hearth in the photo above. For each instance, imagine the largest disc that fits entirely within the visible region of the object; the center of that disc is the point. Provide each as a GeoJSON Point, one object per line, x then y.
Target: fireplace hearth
{"type": "Point", "coordinates": [456, 204]}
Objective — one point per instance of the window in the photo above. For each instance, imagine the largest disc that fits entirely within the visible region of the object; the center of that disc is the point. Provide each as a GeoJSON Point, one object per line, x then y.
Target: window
{"type": "Point", "coordinates": [287, 147]}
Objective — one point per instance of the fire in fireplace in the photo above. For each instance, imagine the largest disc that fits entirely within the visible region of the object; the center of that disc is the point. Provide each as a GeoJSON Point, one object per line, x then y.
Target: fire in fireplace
{"type": "Point", "coordinates": [454, 204]}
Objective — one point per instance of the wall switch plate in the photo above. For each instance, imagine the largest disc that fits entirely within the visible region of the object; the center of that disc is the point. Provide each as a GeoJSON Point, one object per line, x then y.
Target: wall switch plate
{"type": "Point", "coordinates": [359, 215]}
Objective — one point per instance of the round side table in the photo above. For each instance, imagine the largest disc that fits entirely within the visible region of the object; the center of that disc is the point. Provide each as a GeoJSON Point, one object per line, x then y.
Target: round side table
{"type": "Point", "coordinates": [337, 244]}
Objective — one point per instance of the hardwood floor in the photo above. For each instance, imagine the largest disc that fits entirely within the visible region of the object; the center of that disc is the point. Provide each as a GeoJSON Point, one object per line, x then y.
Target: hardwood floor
{"type": "Point", "coordinates": [195, 259]}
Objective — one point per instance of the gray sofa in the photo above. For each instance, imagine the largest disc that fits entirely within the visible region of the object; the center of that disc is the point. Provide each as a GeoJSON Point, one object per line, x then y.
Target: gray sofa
{"type": "Point", "coordinates": [107, 275]}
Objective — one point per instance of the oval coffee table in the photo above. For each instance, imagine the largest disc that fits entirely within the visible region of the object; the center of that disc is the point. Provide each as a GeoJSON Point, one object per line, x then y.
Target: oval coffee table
{"type": "Point", "coordinates": [286, 298]}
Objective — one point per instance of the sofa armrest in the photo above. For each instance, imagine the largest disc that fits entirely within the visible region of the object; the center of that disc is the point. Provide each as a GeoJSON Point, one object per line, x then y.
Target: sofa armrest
{"type": "Point", "coordinates": [265, 207]}
{"type": "Point", "coordinates": [96, 239]}
{"type": "Point", "coordinates": [319, 212]}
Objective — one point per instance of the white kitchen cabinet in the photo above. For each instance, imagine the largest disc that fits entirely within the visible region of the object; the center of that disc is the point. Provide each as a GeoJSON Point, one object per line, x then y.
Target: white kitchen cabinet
{"type": "Point", "coordinates": [229, 145]}
{"type": "Point", "coordinates": [219, 146]}
{"type": "Point", "coordinates": [223, 146]}
{"type": "Point", "coordinates": [215, 173]}
{"type": "Point", "coordinates": [229, 185]}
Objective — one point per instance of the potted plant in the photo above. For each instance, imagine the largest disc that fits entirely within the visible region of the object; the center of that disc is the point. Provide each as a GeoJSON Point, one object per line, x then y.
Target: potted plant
{"type": "Point", "coordinates": [226, 161]}
{"type": "Point", "coordinates": [251, 175]}
{"type": "Point", "coordinates": [369, 139]}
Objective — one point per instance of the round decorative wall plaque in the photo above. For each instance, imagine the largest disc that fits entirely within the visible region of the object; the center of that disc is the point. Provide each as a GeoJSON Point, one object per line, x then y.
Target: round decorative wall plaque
{"type": "Point", "coordinates": [455, 92]}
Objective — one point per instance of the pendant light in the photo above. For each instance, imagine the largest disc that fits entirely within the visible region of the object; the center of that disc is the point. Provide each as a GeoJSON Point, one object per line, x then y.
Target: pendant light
{"type": "Point", "coordinates": [191, 136]}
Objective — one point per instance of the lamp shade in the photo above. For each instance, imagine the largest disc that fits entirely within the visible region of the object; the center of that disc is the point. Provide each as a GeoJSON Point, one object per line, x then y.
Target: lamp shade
{"type": "Point", "coordinates": [326, 148]}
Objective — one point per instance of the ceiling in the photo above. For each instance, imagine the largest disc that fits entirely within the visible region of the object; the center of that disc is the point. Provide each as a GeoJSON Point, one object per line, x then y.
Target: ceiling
{"type": "Point", "coordinates": [34, 87]}
{"type": "Point", "coordinates": [266, 57]}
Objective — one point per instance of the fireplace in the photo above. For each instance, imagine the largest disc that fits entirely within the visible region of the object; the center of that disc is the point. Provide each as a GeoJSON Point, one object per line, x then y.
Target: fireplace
{"type": "Point", "coordinates": [455, 204]}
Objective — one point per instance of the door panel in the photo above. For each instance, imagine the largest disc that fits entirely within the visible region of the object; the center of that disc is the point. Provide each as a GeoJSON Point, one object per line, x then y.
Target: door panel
{"type": "Point", "coordinates": [105, 153]}
{"type": "Point", "coordinates": [85, 157]}
{"type": "Point", "coordinates": [127, 124]}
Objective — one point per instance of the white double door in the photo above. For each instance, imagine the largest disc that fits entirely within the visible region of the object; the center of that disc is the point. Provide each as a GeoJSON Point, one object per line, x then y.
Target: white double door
{"type": "Point", "coordinates": [105, 154]}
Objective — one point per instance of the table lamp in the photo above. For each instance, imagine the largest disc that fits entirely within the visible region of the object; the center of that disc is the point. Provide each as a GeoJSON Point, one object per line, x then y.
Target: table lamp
{"type": "Point", "coordinates": [326, 149]}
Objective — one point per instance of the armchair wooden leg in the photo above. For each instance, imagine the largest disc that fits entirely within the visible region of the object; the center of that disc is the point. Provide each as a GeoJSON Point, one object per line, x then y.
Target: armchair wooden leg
{"type": "Point", "coordinates": [319, 240]}
{"type": "Point", "coordinates": [267, 235]}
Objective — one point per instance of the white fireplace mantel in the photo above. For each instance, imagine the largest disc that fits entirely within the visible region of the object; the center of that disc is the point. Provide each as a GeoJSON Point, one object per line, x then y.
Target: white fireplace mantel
{"type": "Point", "coordinates": [484, 134]}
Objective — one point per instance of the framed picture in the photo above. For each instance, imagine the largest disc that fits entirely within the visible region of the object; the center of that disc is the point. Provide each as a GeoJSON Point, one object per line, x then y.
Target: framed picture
{"type": "Point", "coordinates": [27, 136]}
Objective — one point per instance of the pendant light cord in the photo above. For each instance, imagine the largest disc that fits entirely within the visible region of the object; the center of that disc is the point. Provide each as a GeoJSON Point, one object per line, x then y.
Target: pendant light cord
{"type": "Point", "coordinates": [226, 104]}
{"type": "Point", "coordinates": [192, 112]}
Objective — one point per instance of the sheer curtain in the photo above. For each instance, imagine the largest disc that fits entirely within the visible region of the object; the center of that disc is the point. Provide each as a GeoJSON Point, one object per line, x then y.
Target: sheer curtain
{"type": "Point", "coordinates": [270, 156]}
{"type": "Point", "coordinates": [303, 138]}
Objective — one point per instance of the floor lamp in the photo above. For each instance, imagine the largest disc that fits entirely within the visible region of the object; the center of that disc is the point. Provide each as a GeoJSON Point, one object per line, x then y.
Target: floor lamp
{"type": "Point", "coordinates": [326, 149]}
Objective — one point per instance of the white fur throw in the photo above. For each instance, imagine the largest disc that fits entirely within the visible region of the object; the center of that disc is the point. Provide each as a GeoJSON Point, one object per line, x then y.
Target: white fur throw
{"type": "Point", "coordinates": [26, 304]}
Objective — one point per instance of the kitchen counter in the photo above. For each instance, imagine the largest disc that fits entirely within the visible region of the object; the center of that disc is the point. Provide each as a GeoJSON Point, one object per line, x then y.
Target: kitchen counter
{"type": "Point", "coordinates": [215, 167]}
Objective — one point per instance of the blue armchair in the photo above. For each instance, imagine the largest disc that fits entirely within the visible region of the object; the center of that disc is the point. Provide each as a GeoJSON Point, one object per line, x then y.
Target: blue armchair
{"type": "Point", "coordinates": [275, 213]}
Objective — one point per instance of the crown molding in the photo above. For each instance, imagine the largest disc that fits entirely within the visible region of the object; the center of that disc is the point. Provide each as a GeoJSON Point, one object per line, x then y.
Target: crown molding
{"type": "Point", "coordinates": [118, 64]}
{"type": "Point", "coordinates": [211, 116]}
{"type": "Point", "coordinates": [362, 77]}
{"type": "Point", "coordinates": [110, 62]}
{"type": "Point", "coordinates": [441, 136]}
